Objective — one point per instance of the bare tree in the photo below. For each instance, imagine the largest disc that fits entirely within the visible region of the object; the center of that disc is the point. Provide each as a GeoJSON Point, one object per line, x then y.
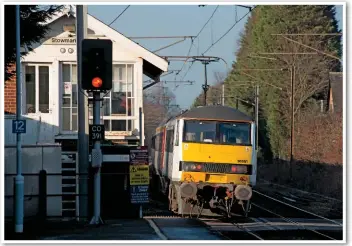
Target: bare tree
{"type": "Point", "coordinates": [159, 103]}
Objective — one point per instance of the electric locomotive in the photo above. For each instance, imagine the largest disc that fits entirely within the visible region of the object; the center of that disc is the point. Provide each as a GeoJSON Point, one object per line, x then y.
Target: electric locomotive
{"type": "Point", "coordinates": [205, 161]}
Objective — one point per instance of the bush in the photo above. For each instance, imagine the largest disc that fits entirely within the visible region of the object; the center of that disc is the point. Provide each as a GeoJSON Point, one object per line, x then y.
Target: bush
{"type": "Point", "coordinates": [317, 165]}
{"type": "Point", "coordinates": [319, 138]}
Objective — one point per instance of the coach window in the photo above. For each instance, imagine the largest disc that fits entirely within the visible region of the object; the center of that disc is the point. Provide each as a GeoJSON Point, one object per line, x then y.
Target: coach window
{"type": "Point", "coordinates": [200, 131]}
{"type": "Point", "coordinates": [156, 143]}
{"type": "Point", "coordinates": [177, 131]}
{"type": "Point", "coordinates": [170, 141]}
{"type": "Point", "coordinates": [153, 142]}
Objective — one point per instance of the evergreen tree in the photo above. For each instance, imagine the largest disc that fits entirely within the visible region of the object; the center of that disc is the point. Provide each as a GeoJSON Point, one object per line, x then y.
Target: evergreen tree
{"type": "Point", "coordinates": [311, 71]}
{"type": "Point", "coordinates": [32, 29]}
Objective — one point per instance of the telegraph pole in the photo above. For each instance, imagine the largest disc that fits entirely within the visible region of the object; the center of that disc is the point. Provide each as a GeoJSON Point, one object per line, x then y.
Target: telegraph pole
{"type": "Point", "coordinates": [257, 113]}
{"type": "Point", "coordinates": [82, 143]}
{"type": "Point", "coordinates": [19, 179]}
{"type": "Point", "coordinates": [223, 94]}
{"type": "Point", "coordinates": [292, 116]}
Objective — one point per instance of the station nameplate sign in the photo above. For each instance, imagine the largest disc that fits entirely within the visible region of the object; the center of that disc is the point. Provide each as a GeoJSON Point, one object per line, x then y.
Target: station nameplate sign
{"type": "Point", "coordinates": [62, 41]}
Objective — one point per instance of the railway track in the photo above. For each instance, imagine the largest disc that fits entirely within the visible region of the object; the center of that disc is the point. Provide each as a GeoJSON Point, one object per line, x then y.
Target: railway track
{"type": "Point", "coordinates": [311, 225]}
{"type": "Point", "coordinates": [286, 220]}
{"type": "Point", "coordinates": [312, 195]}
{"type": "Point", "coordinates": [324, 206]}
{"type": "Point", "coordinates": [291, 214]}
{"type": "Point", "coordinates": [304, 213]}
{"type": "Point", "coordinates": [292, 221]}
{"type": "Point", "coordinates": [274, 228]}
{"type": "Point", "coordinates": [271, 219]}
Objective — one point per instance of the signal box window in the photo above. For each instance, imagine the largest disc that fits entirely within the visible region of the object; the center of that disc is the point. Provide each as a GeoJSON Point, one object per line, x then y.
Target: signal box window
{"type": "Point", "coordinates": [235, 133]}
{"type": "Point", "coordinates": [200, 132]}
{"type": "Point", "coordinates": [69, 98]}
{"type": "Point", "coordinates": [121, 100]}
{"type": "Point", "coordinates": [36, 88]}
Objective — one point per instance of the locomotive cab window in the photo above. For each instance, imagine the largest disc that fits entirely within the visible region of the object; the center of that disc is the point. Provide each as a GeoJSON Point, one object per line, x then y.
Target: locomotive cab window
{"type": "Point", "coordinates": [200, 131]}
{"type": "Point", "coordinates": [235, 133]}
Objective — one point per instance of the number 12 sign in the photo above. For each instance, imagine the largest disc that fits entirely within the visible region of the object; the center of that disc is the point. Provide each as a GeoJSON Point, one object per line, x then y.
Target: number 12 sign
{"type": "Point", "coordinates": [18, 126]}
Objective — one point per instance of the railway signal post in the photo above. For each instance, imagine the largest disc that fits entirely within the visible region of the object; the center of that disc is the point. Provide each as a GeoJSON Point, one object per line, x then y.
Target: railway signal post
{"type": "Point", "coordinates": [82, 143]}
{"type": "Point", "coordinates": [96, 78]}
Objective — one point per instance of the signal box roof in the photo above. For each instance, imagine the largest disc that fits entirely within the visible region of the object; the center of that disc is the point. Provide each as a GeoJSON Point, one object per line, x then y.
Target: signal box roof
{"type": "Point", "coordinates": [153, 64]}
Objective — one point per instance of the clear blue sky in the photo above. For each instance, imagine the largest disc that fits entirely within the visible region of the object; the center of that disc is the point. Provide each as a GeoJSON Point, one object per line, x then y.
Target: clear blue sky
{"type": "Point", "coordinates": [182, 20]}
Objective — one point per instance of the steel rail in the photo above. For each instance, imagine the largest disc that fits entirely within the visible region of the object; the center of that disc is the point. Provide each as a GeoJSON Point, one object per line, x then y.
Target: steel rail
{"type": "Point", "coordinates": [302, 191]}
{"type": "Point", "coordinates": [234, 224]}
{"type": "Point", "coordinates": [292, 221]}
{"type": "Point", "coordinates": [302, 210]}
{"type": "Point", "coordinates": [248, 231]}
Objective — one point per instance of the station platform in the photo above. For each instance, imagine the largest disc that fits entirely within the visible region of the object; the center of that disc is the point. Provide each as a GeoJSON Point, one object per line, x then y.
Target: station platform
{"type": "Point", "coordinates": [123, 229]}
{"type": "Point", "coordinates": [126, 229]}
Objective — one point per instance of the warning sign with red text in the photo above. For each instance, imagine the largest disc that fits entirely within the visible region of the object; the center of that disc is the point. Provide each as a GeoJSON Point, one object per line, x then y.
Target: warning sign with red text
{"type": "Point", "coordinates": [139, 175]}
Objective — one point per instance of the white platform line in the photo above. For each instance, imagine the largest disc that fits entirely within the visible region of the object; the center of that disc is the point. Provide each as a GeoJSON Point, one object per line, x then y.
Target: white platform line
{"type": "Point", "coordinates": [156, 229]}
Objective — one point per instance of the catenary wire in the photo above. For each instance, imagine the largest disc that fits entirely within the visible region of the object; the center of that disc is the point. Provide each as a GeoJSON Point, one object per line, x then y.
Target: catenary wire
{"type": "Point", "coordinates": [228, 31]}
{"type": "Point", "coordinates": [119, 15]}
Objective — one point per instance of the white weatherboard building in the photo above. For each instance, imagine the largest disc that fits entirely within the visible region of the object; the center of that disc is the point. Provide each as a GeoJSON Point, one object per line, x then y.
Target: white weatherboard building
{"type": "Point", "coordinates": [49, 79]}
{"type": "Point", "coordinates": [49, 104]}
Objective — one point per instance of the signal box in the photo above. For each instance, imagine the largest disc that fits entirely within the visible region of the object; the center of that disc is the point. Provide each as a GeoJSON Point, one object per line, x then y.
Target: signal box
{"type": "Point", "coordinates": [96, 64]}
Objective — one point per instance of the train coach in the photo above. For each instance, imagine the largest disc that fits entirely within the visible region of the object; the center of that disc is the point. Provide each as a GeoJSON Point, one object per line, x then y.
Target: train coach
{"type": "Point", "coordinates": [204, 160]}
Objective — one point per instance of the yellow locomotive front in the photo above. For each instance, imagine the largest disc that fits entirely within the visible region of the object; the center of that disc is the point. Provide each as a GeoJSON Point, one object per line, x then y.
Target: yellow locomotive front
{"type": "Point", "coordinates": [216, 152]}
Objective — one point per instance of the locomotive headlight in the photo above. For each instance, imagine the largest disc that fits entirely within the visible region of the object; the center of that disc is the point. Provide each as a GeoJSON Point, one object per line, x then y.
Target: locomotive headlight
{"type": "Point", "coordinates": [188, 166]}
{"type": "Point", "coordinates": [192, 167]}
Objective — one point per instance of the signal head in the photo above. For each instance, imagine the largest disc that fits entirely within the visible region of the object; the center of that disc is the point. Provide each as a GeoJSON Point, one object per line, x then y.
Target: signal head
{"type": "Point", "coordinates": [97, 82]}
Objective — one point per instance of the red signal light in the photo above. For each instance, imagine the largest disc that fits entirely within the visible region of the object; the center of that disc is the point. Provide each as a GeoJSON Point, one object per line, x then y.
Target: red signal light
{"type": "Point", "coordinates": [97, 82]}
{"type": "Point", "coordinates": [199, 167]}
{"type": "Point", "coordinates": [233, 169]}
